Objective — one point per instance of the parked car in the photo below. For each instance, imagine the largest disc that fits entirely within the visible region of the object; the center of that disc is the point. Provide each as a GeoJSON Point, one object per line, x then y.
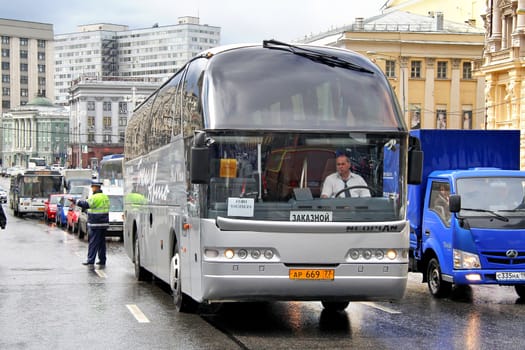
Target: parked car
{"type": "Point", "coordinates": [50, 207]}
{"type": "Point", "coordinates": [62, 209]}
{"type": "Point", "coordinates": [3, 195]}
{"type": "Point", "coordinates": [72, 218]}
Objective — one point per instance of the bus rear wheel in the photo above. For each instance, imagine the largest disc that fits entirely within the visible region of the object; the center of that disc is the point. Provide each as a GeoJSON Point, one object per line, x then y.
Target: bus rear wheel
{"type": "Point", "coordinates": [436, 285]}
{"type": "Point", "coordinates": [140, 273]}
{"type": "Point", "coordinates": [183, 302]}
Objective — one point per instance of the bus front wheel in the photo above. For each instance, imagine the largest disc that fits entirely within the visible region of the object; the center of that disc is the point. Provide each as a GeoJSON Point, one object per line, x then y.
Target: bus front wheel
{"type": "Point", "coordinates": [335, 305]}
{"type": "Point", "coordinates": [183, 302]}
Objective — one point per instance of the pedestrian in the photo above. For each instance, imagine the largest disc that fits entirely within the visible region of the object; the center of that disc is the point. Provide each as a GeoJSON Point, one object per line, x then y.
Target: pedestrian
{"type": "Point", "coordinates": [97, 206]}
{"type": "Point", "coordinates": [3, 218]}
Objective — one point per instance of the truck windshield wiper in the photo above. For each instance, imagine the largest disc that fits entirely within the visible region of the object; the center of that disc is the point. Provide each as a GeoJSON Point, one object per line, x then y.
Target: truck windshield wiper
{"type": "Point", "coordinates": [500, 217]}
{"type": "Point", "coordinates": [315, 56]}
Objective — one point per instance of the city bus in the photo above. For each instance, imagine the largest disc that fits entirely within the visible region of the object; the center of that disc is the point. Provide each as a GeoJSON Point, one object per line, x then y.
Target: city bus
{"type": "Point", "coordinates": [200, 211]}
{"type": "Point", "coordinates": [31, 188]}
{"type": "Point", "coordinates": [110, 171]}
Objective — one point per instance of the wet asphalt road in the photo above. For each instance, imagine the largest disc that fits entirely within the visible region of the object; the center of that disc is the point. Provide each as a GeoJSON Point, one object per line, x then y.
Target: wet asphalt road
{"type": "Point", "coordinates": [48, 300]}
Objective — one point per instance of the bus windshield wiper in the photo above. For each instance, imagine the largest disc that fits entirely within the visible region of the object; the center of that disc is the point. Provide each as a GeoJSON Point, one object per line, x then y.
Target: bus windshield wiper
{"type": "Point", "coordinates": [499, 217]}
{"type": "Point", "coordinates": [315, 56]}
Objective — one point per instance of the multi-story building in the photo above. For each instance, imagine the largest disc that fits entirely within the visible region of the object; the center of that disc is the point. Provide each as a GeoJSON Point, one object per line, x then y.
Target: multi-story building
{"type": "Point", "coordinates": [37, 129]}
{"type": "Point", "coordinates": [27, 62]}
{"type": "Point", "coordinates": [110, 50]}
{"type": "Point", "coordinates": [429, 62]}
{"type": "Point", "coordinates": [503, 67]}
{"type": "Point", "coordinates": [100, 108]}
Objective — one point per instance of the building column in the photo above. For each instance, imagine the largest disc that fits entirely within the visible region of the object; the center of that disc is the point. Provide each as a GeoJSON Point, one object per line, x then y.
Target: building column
{"type": "Point", "coordinates": [490, 121]}
{"type": "Point", "coordinates": [403, 86]}
{"type": "Point", "coordinates": [521, 16]}
{"type": "Point", "coordinates": [429, 120]}
{"type": "Point", "coordinates": [495, 38]}
{"type": "Point", "coordinates": [455, 113]}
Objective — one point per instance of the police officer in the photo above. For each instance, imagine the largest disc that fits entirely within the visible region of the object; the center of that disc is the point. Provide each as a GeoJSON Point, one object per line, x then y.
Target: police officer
{"type": "Point", "coordinates": [97, 206]}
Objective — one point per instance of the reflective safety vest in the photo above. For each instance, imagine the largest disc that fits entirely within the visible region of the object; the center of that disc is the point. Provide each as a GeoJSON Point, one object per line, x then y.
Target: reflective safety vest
{"type": "Point", "coordinates": [98, 210]}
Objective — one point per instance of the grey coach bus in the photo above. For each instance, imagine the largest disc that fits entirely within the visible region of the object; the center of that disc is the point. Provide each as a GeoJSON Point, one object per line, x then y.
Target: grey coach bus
{"type": "Point", "coordinates": [224, 165]}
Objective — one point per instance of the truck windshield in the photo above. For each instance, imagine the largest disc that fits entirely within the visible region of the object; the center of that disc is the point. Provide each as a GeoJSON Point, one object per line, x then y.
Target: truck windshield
{"type": "Point", "coordinates": [280, 176]}
{"type": "Point", "coordinates": [491, 194]}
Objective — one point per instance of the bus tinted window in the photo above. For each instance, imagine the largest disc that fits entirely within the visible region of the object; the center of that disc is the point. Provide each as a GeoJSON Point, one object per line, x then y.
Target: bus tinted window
{"type": "Point", "coordinates": [259, 87]}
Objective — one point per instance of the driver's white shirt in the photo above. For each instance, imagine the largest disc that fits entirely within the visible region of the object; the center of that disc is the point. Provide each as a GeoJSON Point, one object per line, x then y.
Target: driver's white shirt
{"type": "Point", "coordinates": [335, 183]}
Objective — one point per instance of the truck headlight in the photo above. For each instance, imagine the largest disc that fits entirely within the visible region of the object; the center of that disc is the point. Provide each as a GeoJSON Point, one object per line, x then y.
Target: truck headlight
{"type": "Point", "coordinates": [465, 260]}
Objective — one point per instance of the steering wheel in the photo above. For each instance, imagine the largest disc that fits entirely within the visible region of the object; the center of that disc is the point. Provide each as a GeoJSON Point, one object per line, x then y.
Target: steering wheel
{"type": "Point", "coordinates": [351, 188]}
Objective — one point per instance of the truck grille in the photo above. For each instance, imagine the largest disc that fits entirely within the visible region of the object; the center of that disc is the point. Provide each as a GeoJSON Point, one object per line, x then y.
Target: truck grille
{"type": "Point", "coordinates": [502, 259]}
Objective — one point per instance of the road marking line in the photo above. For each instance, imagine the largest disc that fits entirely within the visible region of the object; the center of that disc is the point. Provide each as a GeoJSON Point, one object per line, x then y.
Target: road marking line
{"type": "Point", "coordinates": [135, 311]}
{"type": "Point", "coordinates": [379, 307]}
{"type": "Point", "coordinates": [100, 273]}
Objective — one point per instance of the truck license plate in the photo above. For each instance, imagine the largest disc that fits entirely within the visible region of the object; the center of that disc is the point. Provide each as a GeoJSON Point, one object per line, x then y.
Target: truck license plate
{"type": "Point", "coordinates": [311, 274]}
{"type": "Point", "coordinates": [510, 276]}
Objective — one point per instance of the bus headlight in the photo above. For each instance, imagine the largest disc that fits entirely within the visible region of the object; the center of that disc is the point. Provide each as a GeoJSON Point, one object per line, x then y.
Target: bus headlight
{"type": "Point", "coordinates": [465, 260]}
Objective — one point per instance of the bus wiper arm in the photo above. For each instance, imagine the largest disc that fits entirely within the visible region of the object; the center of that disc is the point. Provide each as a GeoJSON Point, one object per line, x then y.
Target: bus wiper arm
{"type": "Point", "coordinates": [315, 56]}
{"type": "Point", "coordinates": [500, 217]}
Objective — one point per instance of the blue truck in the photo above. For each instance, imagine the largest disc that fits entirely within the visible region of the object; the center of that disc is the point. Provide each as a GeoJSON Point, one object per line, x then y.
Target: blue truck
{"type": "Point", "coordinates": [467, 217]}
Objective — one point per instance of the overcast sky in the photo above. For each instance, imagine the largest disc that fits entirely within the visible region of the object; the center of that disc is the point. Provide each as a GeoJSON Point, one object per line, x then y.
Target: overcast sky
{"type": "Point", "coordinates": [240, 20]}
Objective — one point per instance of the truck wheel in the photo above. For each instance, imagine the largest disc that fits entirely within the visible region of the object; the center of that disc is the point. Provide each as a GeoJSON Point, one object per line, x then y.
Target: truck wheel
{"type": "Point", "coordinates": [436, 285]}
{"type": "Point", "coordinates": [141, 274]}
{"type": "Point", "coordinates": [335, 305]}
{"type": "Point", "coordinates": [520, 289]}
{"type": "Point", "coordinates": [183, 302]}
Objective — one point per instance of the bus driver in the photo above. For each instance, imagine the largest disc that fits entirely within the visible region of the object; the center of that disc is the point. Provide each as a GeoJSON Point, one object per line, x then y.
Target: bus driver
{"type": "Point", "coordinates": [344, 178]}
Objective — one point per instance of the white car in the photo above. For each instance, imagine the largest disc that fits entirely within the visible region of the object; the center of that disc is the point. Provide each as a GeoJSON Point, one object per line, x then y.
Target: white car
{"type": "Point", "coordinates": [3, 195]}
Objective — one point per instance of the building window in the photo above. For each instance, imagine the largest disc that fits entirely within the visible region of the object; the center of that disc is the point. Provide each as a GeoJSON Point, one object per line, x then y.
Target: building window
{"type": "Point", "coordinates": [5, 40]}
{"type": "Point", "coordinates": [106, 106]}
{"type": "Point", "coordinates": [123, 108]}
{"type": "Point", "coordinates": [24, 79]}
{"type": "Point", "coordinates": [91, 105]}
{"type": "Point", "coordinates": [91, 121]}
{"type": "Point", "coordinates": [5, 52]}
{"type": "Point", "coordinates": [23, 41]}
{"type": "Point", "coordinates": [24, 92]}
{"type": "Point", "coordinates": [91, 137]}
{"type": "Point", "coordinates": [121, 136]}
{"type": "Point", "coordinates": [415, 69]}
{"type": "Point", "coordinates": [6, 78]}
{"type": "Point", "coordinates": [6, 91]}
{"type": "Point", "coordinates": [41, 56]}
{"type": "Point", "coordinates": [390, 68]}
{"type": "Point", "coordinates": [6, 104]}
{"type": "Point", "coordinates": [467, 70]}
{"type": "Point", "coordinates": [23, 67]}
{"type": "Point", "coordinates": [442, 70]}
{"type": "Point", "coordinates": [107, 122]}
{"type": "Point", "coordinates": [441, 118]}
{"type": "Point", "coordinates": [122, 121]}
{"type": "Point", "coordinates": [41, 81]}
{"type": "Point", "coordinates": [415, 116]}
{"type": "Point", "coordinates": [5, 65]}
{"type": "Point", "coordinates": [41, 43]}
{"type": "Point", "coordinates": [23, 54]}
{"type": "Point", "coordinates": [107, 138]}
{"type": "Point", "coordinates": [466, 121]}
{"type": "Point", "coordinates": [41, 68]}
{"type": "Point", "coordinates": [41, 92]}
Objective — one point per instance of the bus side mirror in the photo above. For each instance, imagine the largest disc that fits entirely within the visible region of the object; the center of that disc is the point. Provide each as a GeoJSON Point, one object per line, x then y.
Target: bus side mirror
{"type": "Point", "coordinates": [454, 203]}
{"type": "Point", "coordinates": [415, 162]}
{"type": "Point", "coordinates": [200, 159]}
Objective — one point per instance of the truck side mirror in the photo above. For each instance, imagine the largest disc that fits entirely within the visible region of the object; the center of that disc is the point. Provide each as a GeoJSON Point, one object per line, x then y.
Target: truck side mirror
{"type": "Point", "coordinates": [454, 203]}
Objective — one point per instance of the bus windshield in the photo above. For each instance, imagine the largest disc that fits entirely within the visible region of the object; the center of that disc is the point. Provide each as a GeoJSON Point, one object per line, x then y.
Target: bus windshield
{"type": "Point", "coordinates": [252, 88]}
{"type": "Point", "coordinates": [280, 176]}
{"type": "Point", "coordinates": [40, 186]}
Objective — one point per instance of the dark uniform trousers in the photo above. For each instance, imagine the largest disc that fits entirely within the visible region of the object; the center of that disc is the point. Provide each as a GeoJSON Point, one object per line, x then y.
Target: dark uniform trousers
{"type": "Point", "coordinates": [97, 245]}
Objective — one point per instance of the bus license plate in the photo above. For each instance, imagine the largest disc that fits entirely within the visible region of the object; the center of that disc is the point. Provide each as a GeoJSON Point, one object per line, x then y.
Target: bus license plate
{"type": "Point", "coordinates": [312, 274]}
{"type": "Point", "coordinates": [510, 276]}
